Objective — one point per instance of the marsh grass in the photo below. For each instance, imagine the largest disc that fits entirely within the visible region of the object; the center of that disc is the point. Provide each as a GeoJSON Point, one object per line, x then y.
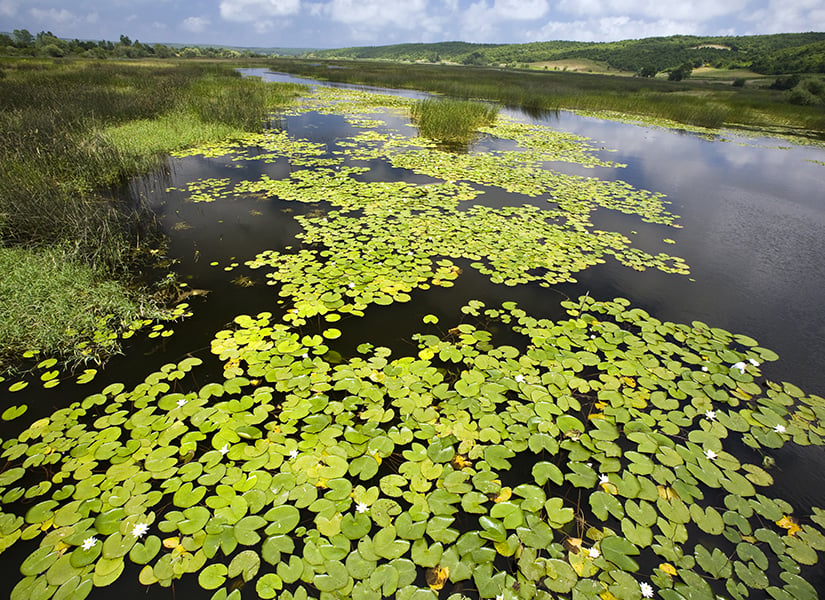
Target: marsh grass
{"type": "Point", "coordinates": [73, 132]}
{"type": "Point", "coordinates": [451, 122]}
{"type": "Point", "coordinates": [704, 104]}
{"type": "Point", "coordinates": [54, 315]}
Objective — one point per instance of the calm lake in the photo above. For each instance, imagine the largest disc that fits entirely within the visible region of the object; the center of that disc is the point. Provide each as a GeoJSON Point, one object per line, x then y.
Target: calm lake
{"type": "Point", "coordinates": [751, 217]}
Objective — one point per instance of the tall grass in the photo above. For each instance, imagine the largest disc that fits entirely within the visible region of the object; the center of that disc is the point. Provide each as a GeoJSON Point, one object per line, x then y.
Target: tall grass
{"type": "Point", "coordinates": [72, 129]}
{"type": "Point", "coordinates": [72, 132]}
{"type": "Point", "coordinates": [54, 315]}
{"type": "Point", "coordinates": [694, 103]}
{"type": "Point", "coordinates": [451, 122]}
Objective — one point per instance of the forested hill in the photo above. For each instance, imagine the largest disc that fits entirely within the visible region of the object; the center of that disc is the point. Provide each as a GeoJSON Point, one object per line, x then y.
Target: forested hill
{"type": "Point", "coordinates": [769, 54]}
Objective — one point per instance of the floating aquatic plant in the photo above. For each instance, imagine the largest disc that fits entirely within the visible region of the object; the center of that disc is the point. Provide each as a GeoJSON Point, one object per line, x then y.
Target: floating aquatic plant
{"type": "Point", "coordinates": [305, 478]}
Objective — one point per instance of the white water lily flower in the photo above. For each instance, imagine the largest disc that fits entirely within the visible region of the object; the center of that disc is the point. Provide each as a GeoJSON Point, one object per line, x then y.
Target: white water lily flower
{"type": "Point", "coordinates": [603, 479]}
{"type": "Point", "coordinates": [361, 507]}
{"type": "Point", "coordinates": [740, 365]}
{"type": "Point", "coordinates": [350, 285]}
{"type": "Point", "coordinates": [593, 553]}
{"type": "Point", "coordinates": [305, 355]}
{"type": "Point", "coordinates": [224, 449]}
{"type": "Point", "coordinates": [779, 429]}
{"type": "Point", "coordinates": [140, 529]}
{"type": "Point", "coordinates": [293, 454]}
{"type": "Point", "coordinates": [710, 454]}
{"type": "Point", "coordinates": [89, 543]}
{"type": "Point", "coordinates": [705, 369]}
{"type": "Point", "coordinates": [519, 378]}
{"type": "Point", "coordinates": [646, 589]}
{"type": "Point", "coordinates": [710, 415]}
{"type": "Point", "coordinates": [182, 401]}
{"type": "Point", "coordinates": [754, 362]}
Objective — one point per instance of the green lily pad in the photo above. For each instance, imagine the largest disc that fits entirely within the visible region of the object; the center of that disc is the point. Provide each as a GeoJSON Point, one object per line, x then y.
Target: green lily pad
{"type": "Point", "coordinates": [213, 576]}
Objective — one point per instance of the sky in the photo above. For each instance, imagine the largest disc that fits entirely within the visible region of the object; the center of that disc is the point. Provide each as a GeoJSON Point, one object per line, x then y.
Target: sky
{"type": "Point", "coordinates": [342, 23]}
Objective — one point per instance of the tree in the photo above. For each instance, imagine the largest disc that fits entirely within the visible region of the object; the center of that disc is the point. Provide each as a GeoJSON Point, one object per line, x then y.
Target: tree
{"type": "Point", "coordinates": [648, 72]}
{"type": "Point", "coordinates": [163, 51]}
{"type": "Point", "coordinates": [23, 37]}
{"type": "Point", "coordinates": [680, 73]}
{"type": "Point", "coordinates": [53, 50]}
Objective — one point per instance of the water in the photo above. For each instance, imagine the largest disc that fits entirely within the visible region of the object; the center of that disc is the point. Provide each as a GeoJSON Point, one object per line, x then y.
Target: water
{"type": "Point", "coordinates": [751, 209]}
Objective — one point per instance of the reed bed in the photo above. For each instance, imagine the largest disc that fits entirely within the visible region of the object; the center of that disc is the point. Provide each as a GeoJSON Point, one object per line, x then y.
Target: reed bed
{"type": "Point", "coordinates": [74, 131]}
{"type": "Point", "coordinates": [451, 122]}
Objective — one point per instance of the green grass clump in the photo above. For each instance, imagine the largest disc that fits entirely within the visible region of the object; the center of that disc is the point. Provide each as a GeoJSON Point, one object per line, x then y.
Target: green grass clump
{"type": "Point", "coordinates": [452, 121]}
{"type": "Point", "coordinates": [54, 304]}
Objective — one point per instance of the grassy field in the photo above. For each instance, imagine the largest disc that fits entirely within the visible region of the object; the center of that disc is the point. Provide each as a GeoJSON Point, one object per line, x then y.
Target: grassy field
{"type": "Point", "coordinates": [700, 103]}
{"type": "Point", "coordinates": [73, 130]}
{"type": "Point", "coordinates": [577, 65]}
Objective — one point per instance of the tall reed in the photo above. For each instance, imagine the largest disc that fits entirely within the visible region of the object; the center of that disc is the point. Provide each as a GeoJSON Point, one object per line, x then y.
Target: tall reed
{"type": "Point", "coordinates": [451, 121]}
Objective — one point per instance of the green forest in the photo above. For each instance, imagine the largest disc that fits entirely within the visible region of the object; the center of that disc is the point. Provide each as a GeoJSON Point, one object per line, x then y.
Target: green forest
{"type": "Point", "coordinates": [766, 54]}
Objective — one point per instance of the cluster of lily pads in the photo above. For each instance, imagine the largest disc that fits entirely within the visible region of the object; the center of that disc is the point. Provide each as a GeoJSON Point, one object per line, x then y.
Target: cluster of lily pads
{"type": "Point", "coordinates": [603, 454]}
{"type": "Point", "coordinates": [595, 458]}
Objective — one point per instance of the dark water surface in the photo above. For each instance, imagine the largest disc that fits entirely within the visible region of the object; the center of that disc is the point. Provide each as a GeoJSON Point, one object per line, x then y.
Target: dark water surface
{"type": "Point", "coordinates": [753, 218]}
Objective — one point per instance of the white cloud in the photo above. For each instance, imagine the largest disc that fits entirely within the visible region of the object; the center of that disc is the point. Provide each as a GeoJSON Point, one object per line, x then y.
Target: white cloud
{"type": "Point", "coordinates": [250, 11]}
{"type": "Point", "coordinates": [8, 8]}
{"type": "Point", "coordinates": [778, 17]}
{"type": "Point", "coordinates": [610, 29]}
{"type": "Point", "coordinates": [696, 10]}
{"type": "Point", "coordinates": [382, 22]}
{"type": "Point", "coordinates": [195, 24]}
{"type": "Point", "coordinates": [373, 14]}
{"type": "Point", "coordinates": [484, 22]}
{"type": "Point", "coordinates": [52, 16]}
{"type": "Point", "coordinates": [520, 9]}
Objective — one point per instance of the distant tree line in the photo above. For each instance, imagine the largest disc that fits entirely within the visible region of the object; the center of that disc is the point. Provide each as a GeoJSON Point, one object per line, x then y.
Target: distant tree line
{"type": "Point", "coordinates": [675, 55]}
{"type": "Point", "coordinates": [23, 43]}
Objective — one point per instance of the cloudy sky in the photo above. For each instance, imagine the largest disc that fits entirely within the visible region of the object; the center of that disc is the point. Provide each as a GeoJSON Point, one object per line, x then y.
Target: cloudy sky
{"type": "Point", "coordinates": [339, 23]}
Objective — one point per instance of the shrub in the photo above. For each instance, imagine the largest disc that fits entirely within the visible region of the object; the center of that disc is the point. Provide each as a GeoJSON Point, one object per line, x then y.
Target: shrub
{"type": "Point", "coordinates": [785, 83]}
{"type": "Point", "coordinates": [802, 97]}
{"type": "Point", "coordinates": [815, 86]}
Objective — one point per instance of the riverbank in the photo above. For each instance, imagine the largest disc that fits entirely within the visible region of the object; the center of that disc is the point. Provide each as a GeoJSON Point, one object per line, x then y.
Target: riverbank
{"type": "Point", "coordinates": [74, 131]}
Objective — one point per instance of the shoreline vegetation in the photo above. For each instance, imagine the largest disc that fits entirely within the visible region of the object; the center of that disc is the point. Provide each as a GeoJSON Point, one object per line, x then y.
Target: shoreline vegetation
{"type": "Point", "coordinates": [695, 103]}
{"type": "Point", "coordinates": [74, 132]}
